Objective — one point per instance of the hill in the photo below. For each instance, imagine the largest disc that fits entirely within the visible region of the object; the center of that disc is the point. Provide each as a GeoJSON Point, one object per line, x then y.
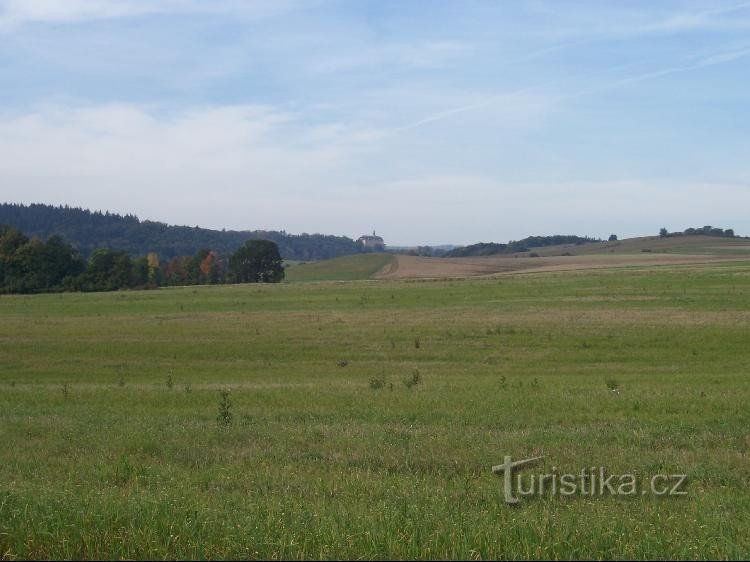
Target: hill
{"type": "Point", "coordinates": [635, 252]}
{"type": "Point", "coordinates": [683, 244]}
{"type": "Point", "coordinates": [88, 230]}
{"type": "Point", "coordinates": [492, 248]}
{"type": "Point", "coordinates": [650, 251]}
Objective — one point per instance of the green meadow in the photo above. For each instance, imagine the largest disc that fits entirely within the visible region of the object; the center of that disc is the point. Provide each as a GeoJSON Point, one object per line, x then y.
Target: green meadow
{"type": "Point", "coordinates": [345, 268]}
{"type": "Point", "coordinates": [361, 419]}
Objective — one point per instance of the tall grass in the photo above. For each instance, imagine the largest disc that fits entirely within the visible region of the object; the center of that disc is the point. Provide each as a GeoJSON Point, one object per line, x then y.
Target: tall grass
{"type": "Point", "coordinates": [316, 462]}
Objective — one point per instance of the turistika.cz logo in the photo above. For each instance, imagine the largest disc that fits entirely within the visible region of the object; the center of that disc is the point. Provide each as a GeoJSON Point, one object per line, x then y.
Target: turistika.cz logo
{"type": "Point", "coordinates": [590, 481]}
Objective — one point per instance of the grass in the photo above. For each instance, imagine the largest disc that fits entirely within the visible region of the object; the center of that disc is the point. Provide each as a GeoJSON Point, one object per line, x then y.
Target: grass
{"type": "Point", "coordinates": [694, 244]}
{"type": "Point", "coordinates": [346, 268]}
{"type": "Point", "coordinates": [277, 451]}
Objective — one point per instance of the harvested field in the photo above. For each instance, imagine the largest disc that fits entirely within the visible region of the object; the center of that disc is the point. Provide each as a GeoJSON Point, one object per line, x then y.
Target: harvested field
{"type": "Point", "coordinates": [418, 267]}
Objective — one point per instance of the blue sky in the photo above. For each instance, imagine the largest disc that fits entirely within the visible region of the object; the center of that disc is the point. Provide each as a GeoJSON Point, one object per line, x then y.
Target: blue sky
{"type": "Point", "coordinates": [433, 122]}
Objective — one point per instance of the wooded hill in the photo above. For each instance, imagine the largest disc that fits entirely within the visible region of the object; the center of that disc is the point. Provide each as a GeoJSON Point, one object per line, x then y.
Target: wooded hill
{"type": "Point", "coordinates": [492, 248]}
{"type": "Point", "coordinates": [87, 230]}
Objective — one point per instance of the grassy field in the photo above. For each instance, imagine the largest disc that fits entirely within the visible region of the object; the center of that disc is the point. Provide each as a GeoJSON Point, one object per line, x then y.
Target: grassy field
{"type": "Point", "coordinates": [113, 446]}
{"type": "Point", "coordinates": [346, 268]}
{"type": "Point", "coordinates": [647, 251]}
{"type": "Point", "coordinates": [697, 244]}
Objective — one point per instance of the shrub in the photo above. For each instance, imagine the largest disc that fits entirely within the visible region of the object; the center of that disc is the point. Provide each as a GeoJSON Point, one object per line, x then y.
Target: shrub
{"type": "Point", "coordinates": [414, 380]}
{"type": "Point", "coordinates": [376, 383]}
{"type": "Point", "coordinates": [224, 419]}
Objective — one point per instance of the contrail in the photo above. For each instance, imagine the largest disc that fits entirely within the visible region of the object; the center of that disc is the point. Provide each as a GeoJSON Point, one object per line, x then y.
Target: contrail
{"type": "Point", "coordinates": [448, 113]}
{"type": "Point", "coordinates": [484, 103]}
{"type": "Point", "coordinates": [711, 60]}
{"type": "Point", "coordinates": [726, 10]}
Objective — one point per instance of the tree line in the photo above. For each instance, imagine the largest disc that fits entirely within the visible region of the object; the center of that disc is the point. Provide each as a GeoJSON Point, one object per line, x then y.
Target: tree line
{"type": "Point", "coordinates": [493, 248]}
{"type": "Point", "coordinates": [89, 230]}
{"type": "Point", "coordinates": [704, 230]}
{"type": "Point", "coordinates": [32, 265]}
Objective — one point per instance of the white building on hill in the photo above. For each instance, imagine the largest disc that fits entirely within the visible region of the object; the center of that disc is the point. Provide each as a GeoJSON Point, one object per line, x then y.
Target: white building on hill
{"type": "Point", "coordinates": [372, 243]}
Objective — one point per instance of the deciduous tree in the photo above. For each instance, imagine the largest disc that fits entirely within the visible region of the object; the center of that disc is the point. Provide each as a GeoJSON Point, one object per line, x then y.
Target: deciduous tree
{"type": "Point", "coordinates": [257, 261]}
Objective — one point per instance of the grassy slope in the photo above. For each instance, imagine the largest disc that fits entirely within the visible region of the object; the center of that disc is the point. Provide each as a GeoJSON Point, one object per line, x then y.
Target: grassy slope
{"type": "Point", "coordinates": [345, 268]}
{"type": "Point", "coordinates": [672, 245]}
{"type": "Point", "coordinates": [317, 464]}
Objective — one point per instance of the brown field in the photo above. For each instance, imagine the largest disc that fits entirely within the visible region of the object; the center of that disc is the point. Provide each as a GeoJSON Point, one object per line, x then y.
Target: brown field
{"type": "Point", "coordinates": [672, 244]}
{"type": "Point", "coordinates": [417, 267]}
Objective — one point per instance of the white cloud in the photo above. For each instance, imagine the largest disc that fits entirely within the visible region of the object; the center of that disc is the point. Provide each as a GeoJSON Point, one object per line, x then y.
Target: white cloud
{"type": "Point", "coordinates": [18, 12]}
{"type": "Point", "coordinates": [253, 166]}
{"type": "Point", "coordinates": [466, 209]}
{"type": "Point", "coordinates": [229, 166]}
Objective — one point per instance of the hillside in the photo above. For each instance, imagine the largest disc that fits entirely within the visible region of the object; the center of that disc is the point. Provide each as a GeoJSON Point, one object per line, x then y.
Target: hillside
{"type": "Point", "coordinates": [347, 268]}
{"type": "Point", "coordinates": [493, 248]}
{"type": "Point", "coordinates": [88, 230]}
{"type": "Point", "coordinates": [686, 244]}
{"type": "Point", "coordinates": [702, 240]}
{"type": "Point", "coordinates": [635, 252]}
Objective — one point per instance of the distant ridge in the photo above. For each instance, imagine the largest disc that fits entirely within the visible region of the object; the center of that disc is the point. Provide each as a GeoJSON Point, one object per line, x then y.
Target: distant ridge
{"type": "Point", "coordinates": [88, 230]}
{"type": "Point", "coordinates": [492, 248]}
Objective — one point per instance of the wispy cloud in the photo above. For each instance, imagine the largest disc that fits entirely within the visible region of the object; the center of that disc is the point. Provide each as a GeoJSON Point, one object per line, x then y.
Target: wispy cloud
{"type": "Point", "coordinates": [599, 21]}
{"type": "Point", "coordinates": [434, 123]}
{"type": "Point", "coordinates": [702, 61]}
{"type": "Point", "coordinates": [259, 167]}
{"type": "Point", "coordinates": [700, 20]}
{"type": "Point", "coordinates": [14, 13]}
{"type": "Point", "coordinates": [511, 99]}
{"type": "Point", "coordinates": [23, 11]}
{"type": "Point", "coordinates": [699, 62]}
{"type": "Point", "coordinates": [242, 166]}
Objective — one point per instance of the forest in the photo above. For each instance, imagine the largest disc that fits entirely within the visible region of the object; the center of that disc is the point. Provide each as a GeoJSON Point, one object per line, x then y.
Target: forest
{"type": "Point", "coordinates": [88, 230]}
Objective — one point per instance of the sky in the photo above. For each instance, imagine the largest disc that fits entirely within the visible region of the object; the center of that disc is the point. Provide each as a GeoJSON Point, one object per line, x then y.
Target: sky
{"type": "Point", "coordinates": [432, 122]}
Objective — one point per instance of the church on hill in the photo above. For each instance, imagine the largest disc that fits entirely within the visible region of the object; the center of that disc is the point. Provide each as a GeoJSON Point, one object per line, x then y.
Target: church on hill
{"type": "Point", "coordinates": [372, 243]}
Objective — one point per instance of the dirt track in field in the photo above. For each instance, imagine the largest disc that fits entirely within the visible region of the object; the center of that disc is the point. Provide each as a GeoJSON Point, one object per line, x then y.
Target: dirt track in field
{"type": "Point", "coordinates": [417, 267]}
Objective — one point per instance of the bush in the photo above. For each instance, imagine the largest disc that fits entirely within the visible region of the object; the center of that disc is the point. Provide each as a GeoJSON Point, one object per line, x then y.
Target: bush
{"type": "Point", "coordinates": [224, 419]}
{"type": "Point", "coordinates": [414, 380]}
{"type": "Point", "coordinates": [376, 383]}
